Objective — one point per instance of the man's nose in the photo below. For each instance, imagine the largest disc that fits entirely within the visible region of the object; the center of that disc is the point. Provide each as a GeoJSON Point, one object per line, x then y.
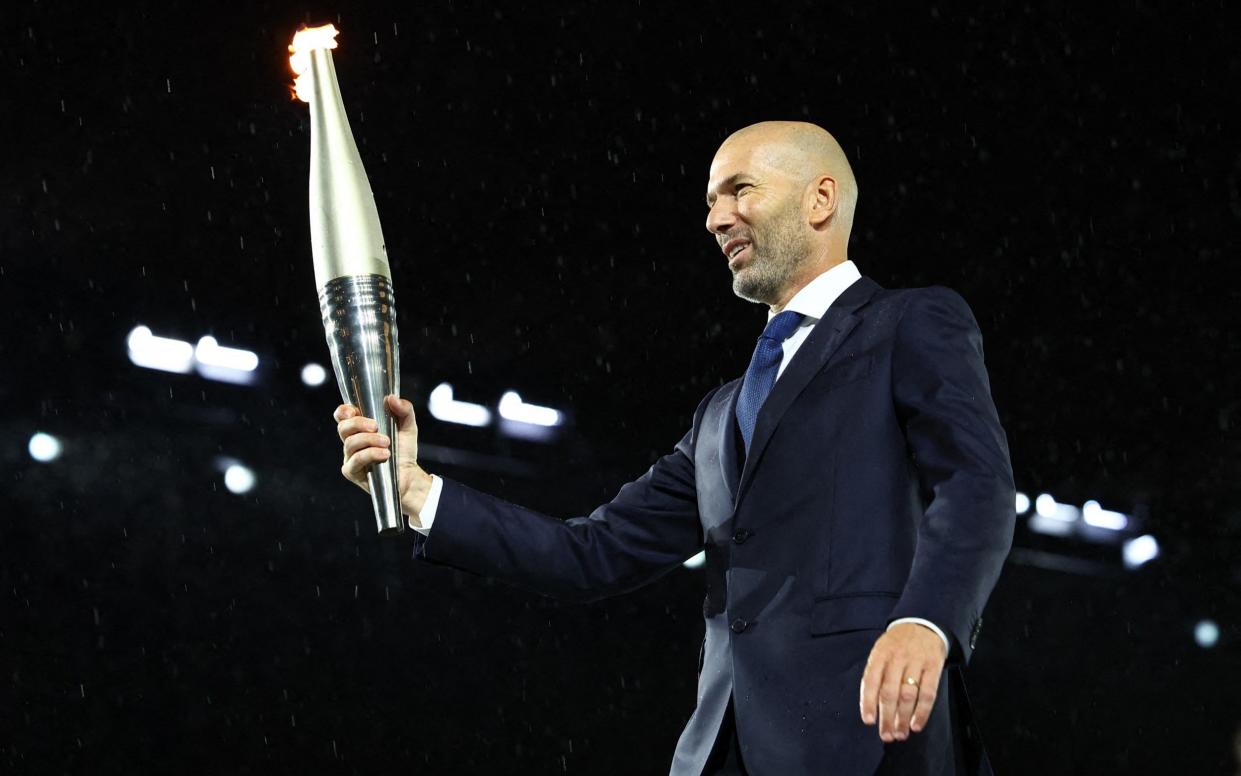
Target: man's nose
{"type": "Point", "coordinates": [720, 217]}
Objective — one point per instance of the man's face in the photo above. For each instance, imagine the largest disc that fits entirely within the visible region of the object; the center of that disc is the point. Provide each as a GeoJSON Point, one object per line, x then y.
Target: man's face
{"type": "Point", "coordinates": [757, 217]}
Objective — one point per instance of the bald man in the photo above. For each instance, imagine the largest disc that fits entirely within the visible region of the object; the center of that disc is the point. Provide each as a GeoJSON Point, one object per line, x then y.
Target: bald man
{"type": "Point", "coordinates": [852, 492]}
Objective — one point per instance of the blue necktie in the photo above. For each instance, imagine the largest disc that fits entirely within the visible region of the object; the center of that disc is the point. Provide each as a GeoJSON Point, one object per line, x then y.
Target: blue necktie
{"type": "Point", "coordinates": [762, 372]}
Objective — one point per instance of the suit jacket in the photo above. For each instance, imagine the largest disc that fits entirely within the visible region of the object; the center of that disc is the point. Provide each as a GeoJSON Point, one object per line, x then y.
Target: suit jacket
{"type": "Point", "coordinates": [877, 486]}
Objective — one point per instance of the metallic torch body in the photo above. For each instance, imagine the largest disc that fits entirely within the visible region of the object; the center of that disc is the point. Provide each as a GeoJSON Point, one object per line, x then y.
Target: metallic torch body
{"type": "Point", "coordinates": [354, 280]}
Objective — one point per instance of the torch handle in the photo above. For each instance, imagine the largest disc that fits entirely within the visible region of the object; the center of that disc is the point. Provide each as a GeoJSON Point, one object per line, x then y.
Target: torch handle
{"type": "Point", "coordinates": [359, 319]}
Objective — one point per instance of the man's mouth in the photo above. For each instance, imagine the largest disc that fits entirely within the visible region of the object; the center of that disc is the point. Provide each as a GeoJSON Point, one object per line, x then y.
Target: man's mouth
{"type": "Point", "coordinates": [734, 248]}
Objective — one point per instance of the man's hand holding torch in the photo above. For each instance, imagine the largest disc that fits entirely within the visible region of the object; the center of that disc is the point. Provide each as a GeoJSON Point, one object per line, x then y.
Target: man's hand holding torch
{"type": "Point", "coordinates": [365, 446]}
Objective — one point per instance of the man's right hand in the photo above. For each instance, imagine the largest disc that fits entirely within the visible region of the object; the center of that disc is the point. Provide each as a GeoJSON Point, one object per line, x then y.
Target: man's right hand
{"type": "Point", "coordinates": [364, 447]}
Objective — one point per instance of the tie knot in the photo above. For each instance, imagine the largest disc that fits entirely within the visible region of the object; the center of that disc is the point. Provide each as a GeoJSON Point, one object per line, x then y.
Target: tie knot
{"type": "Point", "coordinates": [782, 325]}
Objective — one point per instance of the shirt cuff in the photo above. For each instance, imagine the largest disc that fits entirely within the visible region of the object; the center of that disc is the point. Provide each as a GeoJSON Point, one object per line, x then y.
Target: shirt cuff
{"type": "Point", "coordinates": [426, 515]}
{"type": "Point", "coordinates": [919, 620]}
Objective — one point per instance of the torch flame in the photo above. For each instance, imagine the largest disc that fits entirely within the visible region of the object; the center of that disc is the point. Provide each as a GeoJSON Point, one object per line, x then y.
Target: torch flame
{"type": "Point", "coordinates": [304, 41]}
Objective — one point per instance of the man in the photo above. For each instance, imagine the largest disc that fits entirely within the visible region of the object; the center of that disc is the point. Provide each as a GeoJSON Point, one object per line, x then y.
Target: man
{"type": "Point", "coordinates": [852, 491]}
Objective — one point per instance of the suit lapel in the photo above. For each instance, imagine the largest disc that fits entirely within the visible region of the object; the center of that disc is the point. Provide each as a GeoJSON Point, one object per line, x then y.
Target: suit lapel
{"type": "Point", "coordinates": [831, 330]}
{"type": "Point", "coordinates": [727, 435]}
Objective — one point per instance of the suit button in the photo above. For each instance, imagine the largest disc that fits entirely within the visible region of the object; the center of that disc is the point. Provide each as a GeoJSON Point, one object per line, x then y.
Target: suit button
{"type": "Point", "coordinates": [739, 625]}
{"type": "Point", "coordinates": [741, 536]}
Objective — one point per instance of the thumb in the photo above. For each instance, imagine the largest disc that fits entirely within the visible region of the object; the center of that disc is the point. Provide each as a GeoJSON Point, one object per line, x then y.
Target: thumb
{"type": "Point", "coordinates": [403, 411]}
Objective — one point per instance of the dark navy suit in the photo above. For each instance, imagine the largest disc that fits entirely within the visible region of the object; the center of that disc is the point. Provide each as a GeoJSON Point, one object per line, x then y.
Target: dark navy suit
{"type": "Point", "coordinates": [878, 486]}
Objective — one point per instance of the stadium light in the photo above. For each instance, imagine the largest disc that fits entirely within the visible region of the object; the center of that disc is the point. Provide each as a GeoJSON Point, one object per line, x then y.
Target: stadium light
{"type": "Point", "coordinates": [1096, 515]}
{"type": "Point", "coordinates": [444, 407]}
{"type": "Point", "coordinates": [1023, 503]}
{"type": "Point", "coordinates": [1052, 518]}
{"type": "Point", "coordinates": [44, 447]}
{"type": "Point", "coordinates": [152, 352]}
{"type": "Point", "coordinates": [229, 365]}
{"type": "Point", "coordinates": [1206, 633]}
{"type": "Point", "coordinates": [1137, 552]}
{"type": "Point", "coordinates": [314, 375]}
{"type": "Point", "coordinates": [239, 479]}
{"type": "Point", "coordinates": [514, 409]}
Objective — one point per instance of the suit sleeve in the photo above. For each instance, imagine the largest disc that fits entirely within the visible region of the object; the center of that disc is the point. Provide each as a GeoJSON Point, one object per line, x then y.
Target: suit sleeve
{"type": "Point", "coordinates": [943, 400]}
{"type": "Point", "coordinates": [649, 528]}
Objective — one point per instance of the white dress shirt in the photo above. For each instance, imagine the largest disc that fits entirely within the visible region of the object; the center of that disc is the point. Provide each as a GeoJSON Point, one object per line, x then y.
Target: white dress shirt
{"type": "Point", "coordinates": [812, 302]}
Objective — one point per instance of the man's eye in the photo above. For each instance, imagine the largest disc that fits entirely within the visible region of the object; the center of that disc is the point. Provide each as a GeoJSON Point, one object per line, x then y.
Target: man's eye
{"type": "Point", "coordinates": [742, 187]}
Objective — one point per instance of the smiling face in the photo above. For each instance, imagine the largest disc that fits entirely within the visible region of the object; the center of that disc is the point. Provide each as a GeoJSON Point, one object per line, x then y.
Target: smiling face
{"type": "Point", "coordinates": [772, 198]}
{"type": "Point", "coordinates": [758, 218]}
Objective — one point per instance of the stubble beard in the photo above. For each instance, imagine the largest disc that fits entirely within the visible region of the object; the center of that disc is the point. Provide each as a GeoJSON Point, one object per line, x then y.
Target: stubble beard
{"type": "Point", "coordinates": [779, 251]}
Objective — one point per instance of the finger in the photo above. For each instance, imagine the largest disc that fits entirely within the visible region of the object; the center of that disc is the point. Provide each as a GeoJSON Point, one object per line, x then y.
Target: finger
{"type": "Point", "coordinates": [356, 425]}
{"type": "Point", "coordinates": [359, 442]}
{"type": "Point", "coordinates": [889, 697]}
{"type": "Point", "coordinates": [907, 700]}
{"type": "Point", "coordinates": [871, 679]}
{"type": "Point", "coordinates": [357, 465]}
{"type": "Point", "coordinates": [344, 411]}
{"type": "Point", "coordinates": [927, 692]}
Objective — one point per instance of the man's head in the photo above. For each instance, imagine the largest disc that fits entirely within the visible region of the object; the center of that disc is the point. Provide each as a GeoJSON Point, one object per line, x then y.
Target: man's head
{"type": "Point", "coordinates": [781, 196]}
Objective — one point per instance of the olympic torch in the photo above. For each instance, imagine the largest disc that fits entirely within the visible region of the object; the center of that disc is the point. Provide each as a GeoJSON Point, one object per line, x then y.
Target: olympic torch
{"type": "Point", "coordinates": [351, 261]}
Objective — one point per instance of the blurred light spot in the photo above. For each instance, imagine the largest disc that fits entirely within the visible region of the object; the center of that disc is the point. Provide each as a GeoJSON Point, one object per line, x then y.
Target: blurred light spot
{"type": "Point", "coordinates": [696, 562]}
{"type": "Point", "coordinates": [444, 407]}
{"type": "Point", "coordinates": [314, 375]}
{"type": "Point", "coordinates": [238, 479]}
{"type": "Point", "coordinates": [1048, 508]}
{"type": "Point", "coordinates": [1096, 515]}
{"type": "Point", "coordinates": [1023, 503]}
{"type": "Point", "coordinates": [1139, 551]}
{"type": "Point", "coordinates": [44, 448]}
{"type": "Point", "coordinates": [1206, 633]}
{"type": "Point", "coordinates": [1050, 525]}
{"type": "Point", "coordinates": [229, 365]}
{"type": "Point", "coordinates": [169, 355]}
{"type": "Point", "coordinates": [513, 408]}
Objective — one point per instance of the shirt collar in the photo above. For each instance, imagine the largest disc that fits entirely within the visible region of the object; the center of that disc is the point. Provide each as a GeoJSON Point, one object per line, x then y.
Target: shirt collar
{"type": "Point", "coordinates": [817, 295]}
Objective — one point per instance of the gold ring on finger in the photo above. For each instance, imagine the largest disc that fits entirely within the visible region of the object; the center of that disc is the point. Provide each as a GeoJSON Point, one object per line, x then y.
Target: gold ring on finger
{"type": "Point", "coordinates": [912, 682]}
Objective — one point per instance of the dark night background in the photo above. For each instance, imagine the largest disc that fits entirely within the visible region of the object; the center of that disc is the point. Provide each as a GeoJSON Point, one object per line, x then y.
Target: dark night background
{"type": "Point", "coordinates": [1072, 169]}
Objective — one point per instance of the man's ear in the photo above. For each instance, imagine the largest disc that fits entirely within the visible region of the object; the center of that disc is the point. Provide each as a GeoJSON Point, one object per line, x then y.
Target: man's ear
{"type": "Point", "coordinates": [823, 195]}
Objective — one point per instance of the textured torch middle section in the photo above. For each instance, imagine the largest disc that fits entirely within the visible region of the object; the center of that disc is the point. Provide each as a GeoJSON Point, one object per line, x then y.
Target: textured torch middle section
{"type": "Point", "coordinates": [354, 280]}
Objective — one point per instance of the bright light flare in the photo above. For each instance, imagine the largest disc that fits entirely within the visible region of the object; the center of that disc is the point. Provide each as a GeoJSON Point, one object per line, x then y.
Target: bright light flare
{"type": "Point", "coordinates": [314, 375]}
{"type": "Point", "coordinates": [163, 353]}
{"type": "Point", "coordinates": [1206, 633]}
{"type": "Point", "coordinates": [444, 407]}
{"type": "Point", "coordinates": [696, 562]}
{"type": "Point", "coordinates": [1023, 503]}
{"type": "Point", "coordinates": [44, 447]}
{"type": "Point", "coordinates": [239, 479]}
{"type": "Point", "coordinates": [211, 353]}
{"type": "Point", "coordinates": [513, 408]}
{"type": "Point", "coordinates": [227, 365]}
{"type": "Point", "coordinates": [1096, 515]}
{"type": "Point", "coordinates": [306, 40]}
{"type": "Point", "coordinates": [1137, 552]}
{"type": "Point", "coordinates": [1048, 507]}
